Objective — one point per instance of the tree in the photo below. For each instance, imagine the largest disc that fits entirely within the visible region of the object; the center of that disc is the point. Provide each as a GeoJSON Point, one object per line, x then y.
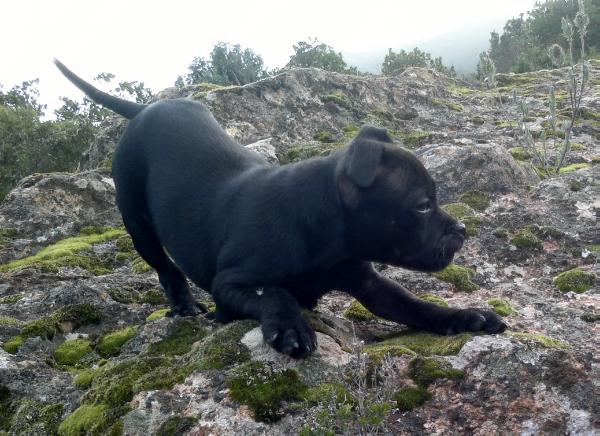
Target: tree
{"type": "Point", "coordinates": [394, 63]}
{"type": "Point", "coordinates": [315, 54]}
{"type": "Point", "coordinates": [228, 65]}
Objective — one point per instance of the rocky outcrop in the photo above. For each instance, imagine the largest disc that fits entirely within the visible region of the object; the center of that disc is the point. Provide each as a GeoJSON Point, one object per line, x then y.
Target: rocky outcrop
{"type": "Point", "coordinates": [86, 348]}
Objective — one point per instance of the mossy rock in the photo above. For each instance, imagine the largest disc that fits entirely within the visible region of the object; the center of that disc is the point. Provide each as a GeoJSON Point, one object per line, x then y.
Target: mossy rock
{"type": "Point", "coordinates": [526, 239]}
{"type": "Point", "coordinates": [540, 339]}
{"type": "Point", "coordinates": [223, 347]}
{"type": "Point", "coordinates": [322, 136]}
{"type": "Point", "coordinates": [110, 344]}
{"type": "Point", "coordinates": [435, 300]}
{"type": "Point", "coordinates": [11, 299]}
{"type": "Point", "coordinates": [379, 350]}
{"type": "Point", "coordinates": [450, 105]}
{"type": "Point", "coordinates": [426, 370]}
{"type": "Point", "coordinates": [501, 306]}
{"type": "Point", "coordinates": [84, 378]}
{"type": "Point", "coordinates": [479, 201]}
{"type": "Point", "coordinates": [37, 418]}
{"type": "Point", "coordinates": [180, 341]}
{"type": "Point", "coordinates": [458, 210]}
{"type": "Point", "coordinates": [69, 252]}
{"type": "Point", "coordinates": [265, 389]}
{"type": "Point", "coordinates": [519, 153]}
{"type": "Point", "coordinates": [175, 426]}
{"type": "Point", "coordinates": [576, 185]}
{"type": "Point", "coordinates": [424, 343]}
{"type": "Point", "coordinates": [574, 167]}
{"type": "Point", "coordinates": [10, 321]}
{"type": "Point", "coordinates": [338, 98]}
{"type": "Point", "coordinates": [575, 280]}
{"type": "Point", "coordinates": [326, 392]}
{"type": "Point", "coordinates": [477, 120]}
{"type": "Point", "coordinates": [459, 276]}
{"type": "Point", "coordinates": [88, 419]}
{"type": "Point", "coordinates": [299, 152]}
{"type": "Point", "coordinates": [358, 312]}
{"type": "Point", "coordinates": [71, 352]}
{"type": "Point", "coordinates": [411, 397]}
{"type": "Point", "coordinates": [158, 314]}
{"type": "Point", "coordinates": [412, 138]}
{"type": "Point", "coordinates": [139, 265]}
{"type": "Point", "coordinates": [75, 315]}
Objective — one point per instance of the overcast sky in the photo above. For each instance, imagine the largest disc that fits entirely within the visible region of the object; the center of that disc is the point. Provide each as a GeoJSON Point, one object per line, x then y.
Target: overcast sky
{"type": "Point", "coordinates": [154, 41]}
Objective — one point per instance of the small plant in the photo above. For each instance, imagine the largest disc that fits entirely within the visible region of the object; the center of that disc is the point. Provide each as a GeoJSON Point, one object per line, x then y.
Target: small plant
{"type": "Point", "coordinates": [578, 78]}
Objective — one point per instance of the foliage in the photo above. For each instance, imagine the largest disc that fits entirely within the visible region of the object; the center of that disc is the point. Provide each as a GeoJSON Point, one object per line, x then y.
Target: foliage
{"type": "Point", "coordinates": [577, 79]}
{"type": "Point", "coordinates": [30, 143]}
{"type": "Point", "coordinates": [315, 54]}
{"type": "Point", "coordinates": [228, 65]}
{"type": "Point", "coordinates": [522, 45]}
{"type": "Point", "coordinates": [394, 63]}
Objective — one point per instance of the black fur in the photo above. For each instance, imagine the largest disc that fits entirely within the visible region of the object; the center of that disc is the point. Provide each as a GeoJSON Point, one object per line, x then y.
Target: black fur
{"type": "Point", "coordinates": [265, 240]}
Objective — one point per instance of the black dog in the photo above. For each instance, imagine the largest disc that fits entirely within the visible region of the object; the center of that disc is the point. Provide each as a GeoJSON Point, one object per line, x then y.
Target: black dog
{"type": "Point", "coordinates": [266, 241]}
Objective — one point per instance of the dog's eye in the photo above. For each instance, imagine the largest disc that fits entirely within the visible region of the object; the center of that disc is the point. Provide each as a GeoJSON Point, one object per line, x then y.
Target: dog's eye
{"type": "Point", "coordinates": [424, 206]}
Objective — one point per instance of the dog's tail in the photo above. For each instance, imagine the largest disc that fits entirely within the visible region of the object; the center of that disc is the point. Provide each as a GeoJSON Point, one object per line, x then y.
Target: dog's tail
{"type": "Point", "coordinates": [123, 107]}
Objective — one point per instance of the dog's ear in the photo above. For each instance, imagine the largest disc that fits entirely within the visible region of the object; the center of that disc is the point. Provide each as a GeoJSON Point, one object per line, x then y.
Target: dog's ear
{"type": "Point", "coordinates": [363, 157]}
{"type": "Point", "coordinates": [374, 133]}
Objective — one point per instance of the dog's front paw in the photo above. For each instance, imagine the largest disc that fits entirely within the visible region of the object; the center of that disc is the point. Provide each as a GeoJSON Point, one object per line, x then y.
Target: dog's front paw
{"type": "Point", "coordinates": [290, 335]}
{"type": "Point", "coordinates": [475, 320]}
{"type": "Point", "coordinates": [193, 308]}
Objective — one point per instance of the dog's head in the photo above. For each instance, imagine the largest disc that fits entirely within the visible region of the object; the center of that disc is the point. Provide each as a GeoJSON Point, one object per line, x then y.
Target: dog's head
{"type": "Point", "coordinates": [391, 206]}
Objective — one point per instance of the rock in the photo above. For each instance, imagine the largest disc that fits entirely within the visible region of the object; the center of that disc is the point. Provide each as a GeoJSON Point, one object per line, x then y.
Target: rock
{"type": "Point", "coordinates": [100, 152]}
{"type": "Point", "coordinates": [265, 149]}
{"type": "Point", "coordinates": [490, 168]}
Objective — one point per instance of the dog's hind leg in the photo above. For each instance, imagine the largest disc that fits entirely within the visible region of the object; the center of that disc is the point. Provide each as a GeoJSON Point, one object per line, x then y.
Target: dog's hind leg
{"type": "Point", "coordinates": [170, 276]}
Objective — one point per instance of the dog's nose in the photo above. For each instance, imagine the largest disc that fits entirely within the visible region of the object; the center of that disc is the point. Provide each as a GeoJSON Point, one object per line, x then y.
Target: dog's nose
{"type": "Point", "coordinates": [460, 228]}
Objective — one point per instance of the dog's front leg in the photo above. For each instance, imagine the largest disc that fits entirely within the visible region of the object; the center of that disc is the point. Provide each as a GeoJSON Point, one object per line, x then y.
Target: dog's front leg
{"type": "Point", "coordinates": [278, 312]}
{"type": "Point", "coordinates": [389, 300]}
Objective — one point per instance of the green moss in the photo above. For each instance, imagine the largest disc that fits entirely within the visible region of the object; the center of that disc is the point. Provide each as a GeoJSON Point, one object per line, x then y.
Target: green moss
{"type": "Point", "coordinates": [11, 299]}
{"type": "Point", "coordinates": [412, 138]}
{"type": "Point", "coordinates": [555, 134]}
{"type": "Point", "coordinates": [71, 352]}
{"type": "Point", "coordinates": [477, 120]}
{"type": "Point", "coordinates": [75, 315]}
{"type": "Point", "coordinates": [223, 348]}
{"type": "Point", "coordinates": [427, 344]}
{"type": "Point", "coordinates": [323, 136]}
{"type": "Point", "coordinates": [379, 350]}
{"type": "Point", "coordinates": [459, 276]}
{"type": "Point", "coordinates": [9, 321]}
{"type": "Point", "coordinates": [37, 418]}
{"type": "Point", "coordinates": [472, 225]}
{"type": "Point", "coordinates": [84, 378]}
{"type": "Point", "coordinates": [506, 124]}
{"type": "Point", "coordinates": [538, 338]}
{"type": "Point", "coordinates": [576, 146]}
{"type": "Point", "coordinates": [69, 252]}
{"type": "Point", "coordinates": [575, 280]}
{"type": "Point", "coordinates": [435, 300]}
{"type": "Point", "coordinates": [525, 238]}
{"type": "Point", "coordinates": [6, 235]}
{"type": "Point", "coordinates": [86, 420]}
{"type": "Point", "coordinates": [140, 266]}
{"type": "Point", "coordinates": [409, 398]}
{"type": "Point", "coordinates": [324, 392]}
{"type": "Point", "coordinates": [425, 370]}
{"type": "Point", "coordinates": [299, 152]}
{"type": "Point", "coordinates": [589, 114]}
{"type": "Point", "coordinates": [458, 210]}
{"type": "Point", "coordinates": [125, 244]}
{"type": "Point", "coordinates": [264, 389]}
{"type": "Point", "coordinates": [111, 343]}
{"type": "Point", "coordinates": [519, 153]}
{"type": "Point", "coordinates": [383, 116]}
{"type": "Point", "coordinates": [576, 185]}
{"type": "Point", "coordinates": [155, 297]}
{"type": "Point", "coordinates": [13, 344]}
{"type": "Point", "coordinates": [185, 333]}
{"type": "Point", "coordinates": [450, 105]}
{"type": "Point", "coordinates": [574, 167]}
{"type": "Point", "coordinates": [477, 200]}
{"type": "Point", "coordinates": [358, 312]}
{"type": "Point", "coordinates": [175, 426]}
{"type": "Point", "coordinates": [337, 98]}
{"type": "Point", "coordinates": [157, 314]}
{"type": "Point", "coordinates": [501, 306]}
